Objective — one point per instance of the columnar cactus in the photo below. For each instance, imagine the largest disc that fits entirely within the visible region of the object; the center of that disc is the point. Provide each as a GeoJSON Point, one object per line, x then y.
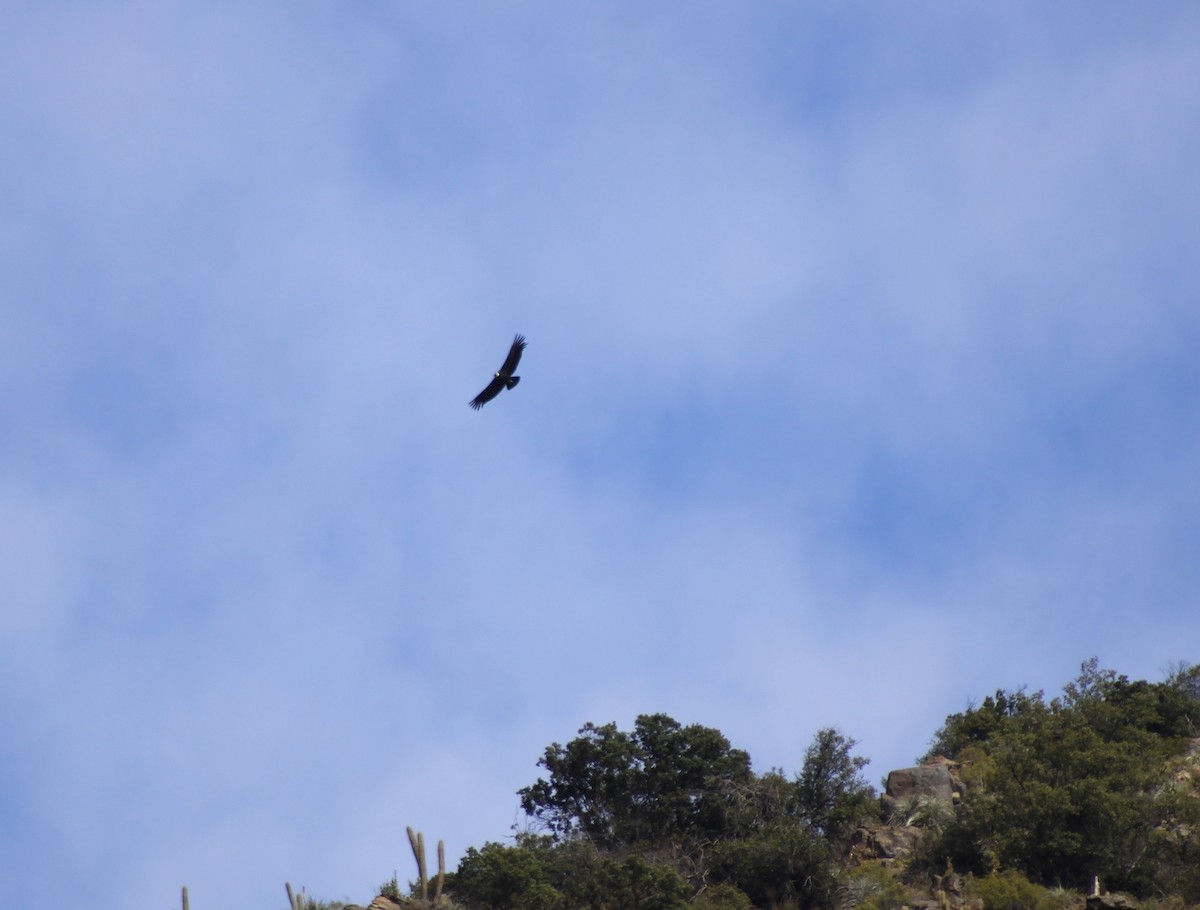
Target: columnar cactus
{"type": "Point", "coordinates": [417, 840]}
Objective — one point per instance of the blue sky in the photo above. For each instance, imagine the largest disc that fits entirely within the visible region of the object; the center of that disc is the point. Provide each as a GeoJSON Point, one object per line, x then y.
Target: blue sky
{"type": "Point", "coordinates": [861, 381]}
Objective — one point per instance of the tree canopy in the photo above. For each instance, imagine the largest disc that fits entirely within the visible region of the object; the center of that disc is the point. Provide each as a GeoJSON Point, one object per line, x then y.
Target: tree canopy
{"type": "Point", "coordinates": [1077, 786]}
{"type": "Point", "coordinates": [661, 782]}
{"type": "Point", "coordinates": [646, 818]}
{"type": "Point", "coordinates": [1099, 781]}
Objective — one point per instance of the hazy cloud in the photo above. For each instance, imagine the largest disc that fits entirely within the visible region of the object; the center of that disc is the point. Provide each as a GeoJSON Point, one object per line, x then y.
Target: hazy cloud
{"type": "Point", "coordinates": [860, 382]}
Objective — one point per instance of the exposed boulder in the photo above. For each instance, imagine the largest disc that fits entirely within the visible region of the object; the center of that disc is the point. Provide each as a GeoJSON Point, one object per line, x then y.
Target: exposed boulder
{"type": "Point", "coordinates": [884, 842]}
{"type": "Point", "coordinates": [936, 779]}
{"type": "Point", "coordinates": [1111, 902]}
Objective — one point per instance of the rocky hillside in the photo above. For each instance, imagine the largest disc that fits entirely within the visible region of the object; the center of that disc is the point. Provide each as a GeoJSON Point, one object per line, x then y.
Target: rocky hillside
{"type": "Point", "coordinates": [1090, 799]}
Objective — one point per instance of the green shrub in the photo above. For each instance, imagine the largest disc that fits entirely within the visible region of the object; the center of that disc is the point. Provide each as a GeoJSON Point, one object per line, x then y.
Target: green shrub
{"type": "Point", "coordinates": [871, 887]}
{"type": "Point", "coordinates": [539, 896]}
{"type": "Point", "coordinates": [1010, 890]}
{"type": "Point", "coordinates": [539, 874]}
{"type": "Point", "coordinates": [496, 877]}
{"type": "Point", "coordinates": [782, 862]}
{"type": "Point", "coordinates": [391, 888]}
{"type": "Point", "coordinates": [1070, 788]}
{"type": "Point", "coordinates": [722, 897]}
{"type": "Point", "coordinates": [634, 883]}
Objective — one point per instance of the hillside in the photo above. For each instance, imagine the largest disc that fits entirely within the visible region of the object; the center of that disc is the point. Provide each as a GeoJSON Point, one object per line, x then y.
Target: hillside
{"type": "Point", "coordinates": [1087, 799]}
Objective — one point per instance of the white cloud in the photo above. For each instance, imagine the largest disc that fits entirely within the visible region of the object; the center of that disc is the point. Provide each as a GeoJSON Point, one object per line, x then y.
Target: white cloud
{"type": "Point", "coordinates": [845, 402]}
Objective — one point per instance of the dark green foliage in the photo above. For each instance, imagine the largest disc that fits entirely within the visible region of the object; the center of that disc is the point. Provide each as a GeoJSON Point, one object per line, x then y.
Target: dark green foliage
{"type": "Point", "coordinates": [644, 819]}
{"type": "Point", "coordinates": [1185, 679]}
{"type": "Point", "coordinates": [633, 883]}
{"type": "Point", "coordinates": [663, 782]}
{"type": "Point", "coordinates": [1120, 710]}
{"type": "Point", "coordinates": [497, 877]}
{"type": "Point", "coordinates": [960, 844]}
{"type": "Point", "coordinates": [834, 796]}
{"type": "Point", "coordinates": [538, 874]}
{"type": "Point", "coordinates": [782, 862]}
{"type": "Point", "coordinates": [722, 897]}
{"type": "Point", "coordinates": [1176, 839]}
{"type": "Point", "coordinates": [871, 887]}
{"type": "Point", "coordinates": [391, 888]}
{"type": "Point", "coordinates": [1010, 890]}
{"type": "Point", "coordinates": [753, 803]}
{"type": "Point", "coordinates": [978, 725]}
{"type": "Point", "coordinates": [1070, 789]}
{"type": "Point", "coordinates": [1096, 782]}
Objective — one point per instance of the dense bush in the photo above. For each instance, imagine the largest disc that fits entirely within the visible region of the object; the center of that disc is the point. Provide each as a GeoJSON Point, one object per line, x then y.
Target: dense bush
{"type": "Point", "coordinates": [498, 877]}
{"type": "Point", "coordinates": [871, 887]}
{"type": "Point", "coordinates": [1010, 890]}
{"type": "Point", "coordinates": [722, 897]}
{"type": "Point", "coordinates": [833, 795]}
{"type": "Point", "coordinates": [782, 863]}
{"type": "Point", "coordinates": [1071, 788]}
{"type": "Point", "coordinates": [662, 782]}
{"type": "Point", "coordinates": [538, 873]}
{"type": "Point", "coordinates": [1096, 782]}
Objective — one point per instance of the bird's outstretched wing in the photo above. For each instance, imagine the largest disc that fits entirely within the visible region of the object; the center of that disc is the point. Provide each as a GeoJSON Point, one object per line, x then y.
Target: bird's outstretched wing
{"type": "Point", "coordinates": [504, 377]}
{"type": "Point", "coordinates": [492, 390]}
{"type": "Point", "coordinates": [514, 356]}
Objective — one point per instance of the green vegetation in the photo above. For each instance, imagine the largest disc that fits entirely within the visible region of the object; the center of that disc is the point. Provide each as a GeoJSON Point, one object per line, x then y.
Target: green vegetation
{"type": "Point", "coordinates": [658, 784]}
{"type": "Point", "coordinates": [722, 897]}
{"type": "Point", "coordinates": [1010, 890]}
{"type": "Point", "coordinates": [1102, 782]}
{"type": "Point", "coordinates": [539, 874]}
{"type": "Point", "coordinates": [870, 886]}
{"type": "Point", "coordinates": [650, 818]}
{"type": "Point", "coordinates": [391, 888]}
{"type": "Point", "coordinates": [1079, 786]}
{"type": "Point", "coordinates": [921, 812]}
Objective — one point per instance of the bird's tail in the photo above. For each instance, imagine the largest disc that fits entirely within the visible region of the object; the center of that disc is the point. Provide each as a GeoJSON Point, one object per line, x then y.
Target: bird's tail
{"type": "Point", "coordinates": [512, 381]}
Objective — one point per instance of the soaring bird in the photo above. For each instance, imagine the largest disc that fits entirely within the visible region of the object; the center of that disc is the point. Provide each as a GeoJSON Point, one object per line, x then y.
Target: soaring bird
{"type": "Point", "coordinates": [504, 378]}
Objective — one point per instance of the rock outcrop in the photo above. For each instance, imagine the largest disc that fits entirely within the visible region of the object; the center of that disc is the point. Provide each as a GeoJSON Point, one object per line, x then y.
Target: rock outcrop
{"type": "Point", "coordinates": [884, 842]}
{"type": "Point", "coordinates": [908, 793]}
{"type": "Point", "coordinates": [1111, 902]}
{"type": "Point", "coordinates": [936, 779]}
